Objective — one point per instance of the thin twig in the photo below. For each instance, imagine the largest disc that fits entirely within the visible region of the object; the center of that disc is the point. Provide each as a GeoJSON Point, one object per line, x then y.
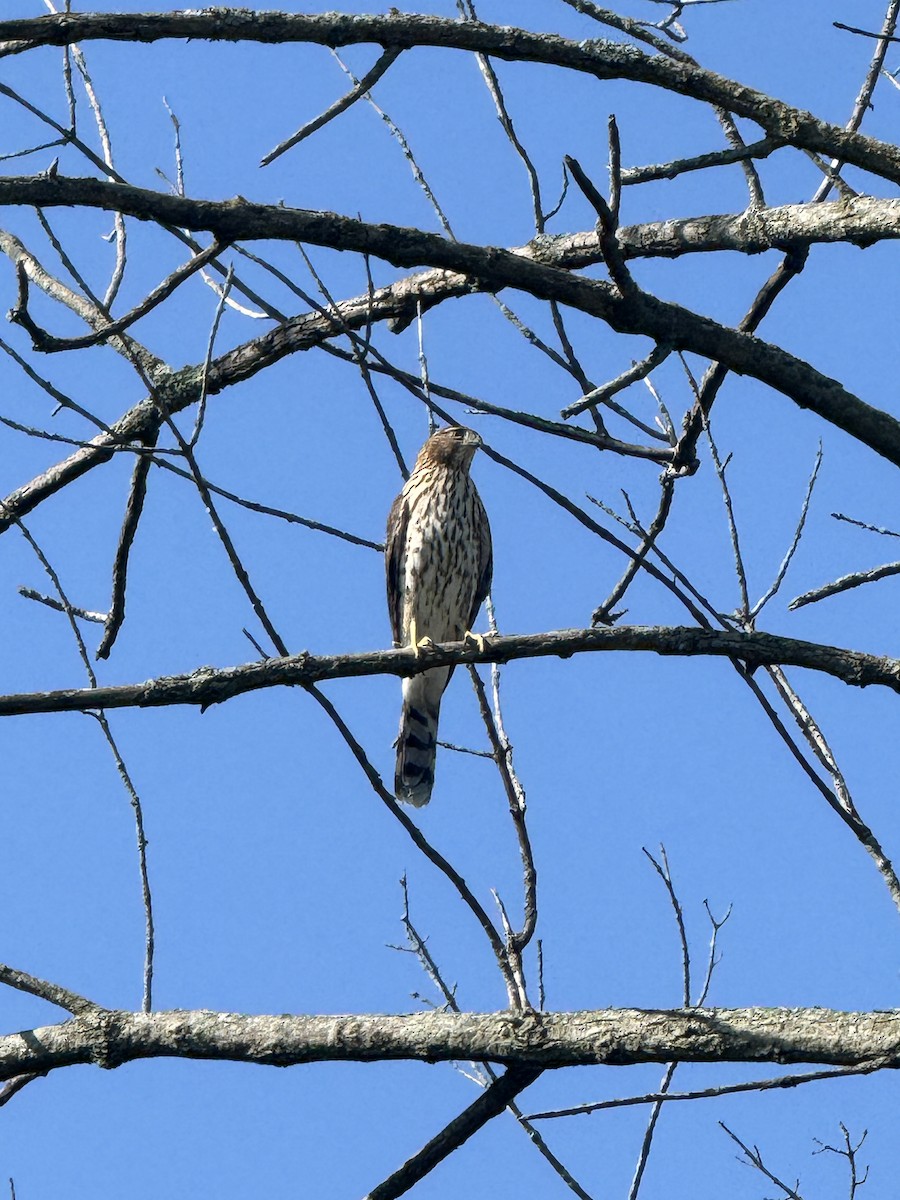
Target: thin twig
{"type": "Point", "coordinates": [203, 489]}
{"type": "Point", "coordinates": [403, 143]}
{"type": "Point", "coordinates": [647, 1140]}
{"type": "Point", "coordinates": [467, 9]}
{"type": "Point", "coordinates": [636, 371]}
{"type": "Point", "coordinates": [848, 1151]}
{"type": "Point", "coordinates": [603, 615]}
{"type": "Point", "coordinates": [662, 869]}
{"type": "Point", "coordinates": [118, 272]}
{"type": "Point", "coordinates": [362, 355]}
{"type": "Point", "coordinates": [419, 947]}
{"type": "Point", "coordinates": [868, 33]}
{"type": "Point", "coordinates": [615, 167]}
{"type": "Point", "coordinates": [753, 1158]}
{"type": "Point", "coordinates": [762, 148]}
{"type": "Point", "coordinates": [792, 549]}
{"type": "Point", "coordinates": [134, 507]}
{"type": "Point", "coordinates": [515, 796]}
{"type": "Point", "coordinates": [434, 856]}
{"type": "Point", "coordinates": [600, 441]}
{"type": "Point", "coordinates": [711, 1093]}
{"type": "Point", "coordinates": [790, 266]}
{"type": "Point", "coordinates": [845, 584]}
{"type": "Point", "coordinates": [48, 344]}
{"type": "Point", "coordinates": [814, 736]}
{"type": "Point", "coordinates": [740, 570]}
{"type": "Point", "coordinates": [211, 341]}
{"type": "Point", "coordinates": [604, 534]}
{"type": "Point", "coordinates": [84, 614]}
{"type": "Point", "coordinates": [864, 525]}
{"type": "Point", "coordinates": [54, 393]}
{"type": "Point", "coordinates": [736, 141]}
{"type": "Point", "coordinates": [858, 827]}
{"type": "Point", "coordinates": [712, 962]}
{"type": "Point", "coordinates": [146, 896]}
{"type": "Point", "coordinates": [360, 88]}
{"type": "Point", "coordinates": [134, 798]}
{"type": "Point", "coordinates": [361, 347]}
{"type": "Point", "coordinates": [269, 511]}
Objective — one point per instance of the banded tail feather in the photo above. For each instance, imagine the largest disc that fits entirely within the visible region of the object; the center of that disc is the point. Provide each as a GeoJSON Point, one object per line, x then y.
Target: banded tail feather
{"type": "Point", "coordinates": [417, 739]}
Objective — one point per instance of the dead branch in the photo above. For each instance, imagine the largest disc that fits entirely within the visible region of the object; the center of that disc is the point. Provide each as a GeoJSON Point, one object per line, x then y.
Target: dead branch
{"type": "Point", "coordinates": [635, 312]}
{"type": "Point", "coordinates": [614, 1037]}
{"type": "Point", "coordinates": [599, 58]}
{"type": "Point", "coordinates": [207, 686]}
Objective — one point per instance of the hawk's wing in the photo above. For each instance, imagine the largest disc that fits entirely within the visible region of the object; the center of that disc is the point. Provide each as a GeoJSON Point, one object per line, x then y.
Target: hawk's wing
{"type": "Point", "coordinates": [484, 559]}
{"type": "Point", "coordinates": [395, 545]}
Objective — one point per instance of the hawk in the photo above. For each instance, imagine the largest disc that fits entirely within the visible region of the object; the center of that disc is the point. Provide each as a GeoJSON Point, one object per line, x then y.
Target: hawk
{"type": "Point", "coordinates": [438, 563]}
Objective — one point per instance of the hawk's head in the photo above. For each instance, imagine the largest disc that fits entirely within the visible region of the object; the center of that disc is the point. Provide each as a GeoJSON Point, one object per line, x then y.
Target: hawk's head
{"type": "Point", "coordinates": [452, 446]}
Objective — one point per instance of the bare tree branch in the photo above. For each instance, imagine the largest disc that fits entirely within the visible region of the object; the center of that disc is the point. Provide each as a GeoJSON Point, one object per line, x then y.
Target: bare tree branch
{"type": "Point", "coordinates": [602, 59]}
{"type": "Point", "coordinates": [614, 1037]}
{"type": "Point", "coordinates": [634, 312]}
{"type": "Point", "coordinates": [398, 303]}
{"type": "Point", "coordinates": [207, 686]}
{"type": "Point", "coordinates": [53, 993]}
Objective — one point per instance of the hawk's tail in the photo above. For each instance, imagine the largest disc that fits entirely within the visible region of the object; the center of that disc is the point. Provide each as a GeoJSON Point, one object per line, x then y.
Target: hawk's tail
{"type": "Point", "coordinates": [417, 740]}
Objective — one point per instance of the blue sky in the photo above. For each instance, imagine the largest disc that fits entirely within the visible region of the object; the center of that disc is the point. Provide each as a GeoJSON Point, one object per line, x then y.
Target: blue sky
{"type": "Point", "coordinates": [275, 869]}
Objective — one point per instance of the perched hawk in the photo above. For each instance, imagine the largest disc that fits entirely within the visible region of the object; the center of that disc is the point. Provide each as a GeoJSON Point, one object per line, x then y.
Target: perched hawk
{"type": "Point", "coordinates": [438, 565]}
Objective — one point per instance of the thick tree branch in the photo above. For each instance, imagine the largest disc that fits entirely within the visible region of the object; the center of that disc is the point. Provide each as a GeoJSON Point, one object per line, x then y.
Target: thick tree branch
{"type": "Point", "coordinates": [635, 313]}
{"type": "Point", "coordinates": [208, 685]}
{"type": "Point", "coordinates": [401, 31]}
{"type": "Point", "coordinates": [862, 221]}
{"type": "Point", "coordinates": [614, 1037]}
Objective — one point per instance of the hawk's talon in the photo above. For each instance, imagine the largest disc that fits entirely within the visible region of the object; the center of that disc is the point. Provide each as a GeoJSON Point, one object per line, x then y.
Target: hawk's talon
{"type": "Point", "coordinates": [478, 640]}
{"type": "Point", "coordinates": [422, 646]}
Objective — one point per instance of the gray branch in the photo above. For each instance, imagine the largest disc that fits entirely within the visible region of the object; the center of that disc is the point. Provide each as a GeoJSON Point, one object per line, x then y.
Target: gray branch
{"type": "Point", "coordinates": [597, 57]}
{"type": "Point", "coordinates": [845, 583]}
{"type": "Point", "coordinates": [615, 1037]}
{"type": "Point", "coordinates": [634, 313]}
{"type": "Point", "coordinates": [862, 221]}
{"type": "Point", "coordinates": [209, 685]}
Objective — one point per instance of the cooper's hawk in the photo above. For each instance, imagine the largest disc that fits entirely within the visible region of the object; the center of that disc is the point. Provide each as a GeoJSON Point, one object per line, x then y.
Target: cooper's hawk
{"type": "Point", "coordinates": [438, 564]}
